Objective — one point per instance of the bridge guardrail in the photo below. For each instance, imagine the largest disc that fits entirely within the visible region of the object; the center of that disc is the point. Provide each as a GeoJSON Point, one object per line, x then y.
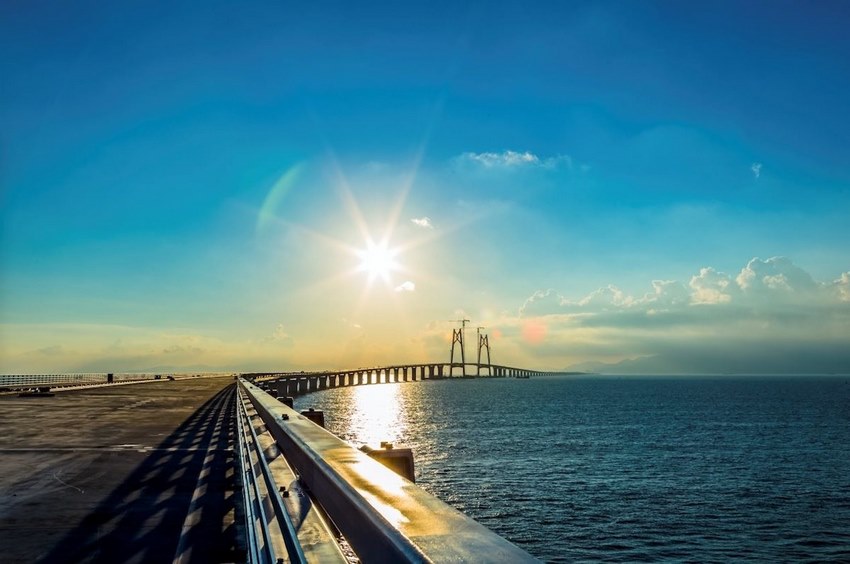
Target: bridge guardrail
{"type": "Point", "coordinates": [383, 516]}
{"type": "Point", "coordinates": [277, 540]}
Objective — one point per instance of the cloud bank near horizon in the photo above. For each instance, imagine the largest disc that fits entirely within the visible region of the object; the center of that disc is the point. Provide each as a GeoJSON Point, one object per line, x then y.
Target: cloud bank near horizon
{"type": "Point", "coordinates": [772, 316]}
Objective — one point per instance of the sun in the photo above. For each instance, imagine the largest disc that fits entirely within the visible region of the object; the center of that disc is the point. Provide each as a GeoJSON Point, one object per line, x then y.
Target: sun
{"type": "Point", "coordinates": [377, 260]}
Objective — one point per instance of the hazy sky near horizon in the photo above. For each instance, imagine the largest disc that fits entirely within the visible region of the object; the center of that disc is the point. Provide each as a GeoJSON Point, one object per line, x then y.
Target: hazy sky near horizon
{"type": "Point", "coordinates": [192, 186]}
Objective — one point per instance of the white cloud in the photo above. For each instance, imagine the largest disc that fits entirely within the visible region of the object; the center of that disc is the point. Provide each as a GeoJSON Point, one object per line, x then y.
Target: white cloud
{"type": "Point", "coordinates": [542, 302]}
{"type": "Point", "coordinates": [841, 287]}
{"type": "Point", "coordinates": [514, 159]}
{"type": "Point", "coordinates": [666, 294]}
{"type": "Point", "coordinates": [756, 168]}
{"type": "Point", "coordinates": [351, 324]}
{"type": "Point", "coordinates": [711, 287]}
{"type": "Point", "coordinates": [424, 222]}
{"type": "Point", "coordinates": [777, 275]}
{"type": "Point", "coordinates": [407, 286]}
{"type": "Point", "coordinates": [280, 334]}
{"type": "Point", "coordinates": [548, 302]}
{"type": "Point", "coordinates": [604, 298]}
{"type": "Point", "coordinates": [773, 281]}
{"type": "Point", "coordinates": [279, 337]}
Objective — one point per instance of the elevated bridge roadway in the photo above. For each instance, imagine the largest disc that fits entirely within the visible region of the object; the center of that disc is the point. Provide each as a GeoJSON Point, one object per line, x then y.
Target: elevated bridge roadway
{"type": "Point", "coordinates": [295, 383]}
{"type": "Point", "coordinates": [216, 469]}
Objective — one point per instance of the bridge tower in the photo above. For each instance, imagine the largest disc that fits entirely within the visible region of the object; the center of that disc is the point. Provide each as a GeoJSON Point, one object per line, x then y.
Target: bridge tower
{"type": "Point", "coordinates": [457, 338]}
{"type": "Point", "coordinates": [483, 343]}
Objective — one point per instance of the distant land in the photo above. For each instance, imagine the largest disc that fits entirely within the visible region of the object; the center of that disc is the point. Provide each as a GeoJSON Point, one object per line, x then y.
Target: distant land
{"type": "Point", "coordinates": [758, 362]}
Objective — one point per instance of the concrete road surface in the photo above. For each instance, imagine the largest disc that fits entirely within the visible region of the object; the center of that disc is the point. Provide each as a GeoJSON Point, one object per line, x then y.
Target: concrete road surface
{"type": "Point", "coordinates": [138, 473]}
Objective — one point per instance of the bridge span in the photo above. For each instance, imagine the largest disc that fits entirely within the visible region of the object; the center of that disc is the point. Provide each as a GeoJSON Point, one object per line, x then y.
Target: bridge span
{"type": "Point", "coordinates": [296, 383]}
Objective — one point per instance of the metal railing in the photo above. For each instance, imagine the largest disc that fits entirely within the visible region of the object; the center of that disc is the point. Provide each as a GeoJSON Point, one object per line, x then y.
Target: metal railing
{"type": "Point", "coordinates": [23, 380]}
{"type": "Point", "coordinates": [282, 521]}
{"type": "Point", "coordinates": [384, 517]}
{"type": "Point", "coordinates": [271, 534]}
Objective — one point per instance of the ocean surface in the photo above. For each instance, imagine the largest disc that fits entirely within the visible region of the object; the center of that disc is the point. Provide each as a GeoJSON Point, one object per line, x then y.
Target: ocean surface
{"type": "Point", "coordinates": [703, 469]}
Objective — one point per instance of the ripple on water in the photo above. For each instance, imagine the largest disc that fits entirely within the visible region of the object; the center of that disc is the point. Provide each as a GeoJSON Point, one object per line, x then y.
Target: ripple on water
{"type": "Point", "coordinates": [626, 469]}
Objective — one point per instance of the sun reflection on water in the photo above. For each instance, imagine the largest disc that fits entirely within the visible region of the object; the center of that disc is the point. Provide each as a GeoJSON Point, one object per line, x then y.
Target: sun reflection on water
{"type": "Point", "coordinates": [378, 414]}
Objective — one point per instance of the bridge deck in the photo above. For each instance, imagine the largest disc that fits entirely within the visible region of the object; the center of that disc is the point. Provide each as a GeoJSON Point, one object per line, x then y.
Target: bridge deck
{"type": "Point", "coordinates": [120, 474]}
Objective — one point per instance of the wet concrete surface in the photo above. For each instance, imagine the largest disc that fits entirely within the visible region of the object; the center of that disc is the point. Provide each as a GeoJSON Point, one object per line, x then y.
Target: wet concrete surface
{"type": "Point", "coordinates": [120, 474]}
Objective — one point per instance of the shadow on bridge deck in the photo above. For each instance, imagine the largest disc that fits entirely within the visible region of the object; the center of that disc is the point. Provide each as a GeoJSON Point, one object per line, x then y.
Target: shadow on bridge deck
{"type": "Point", "coordinates": [145, 518]}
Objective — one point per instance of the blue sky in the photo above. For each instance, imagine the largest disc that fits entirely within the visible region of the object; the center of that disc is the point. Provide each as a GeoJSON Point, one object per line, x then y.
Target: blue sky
{"type": "Point", "coordinates": [188, 187]}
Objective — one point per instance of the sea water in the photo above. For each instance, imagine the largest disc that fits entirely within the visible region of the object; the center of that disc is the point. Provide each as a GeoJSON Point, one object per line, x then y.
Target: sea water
{"type": "Point", "coordinates": [629, 468]}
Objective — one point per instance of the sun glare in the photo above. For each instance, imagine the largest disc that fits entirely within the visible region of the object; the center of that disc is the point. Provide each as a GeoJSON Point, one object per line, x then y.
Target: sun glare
{"type": "Point", "coordinates": [377, 261]}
